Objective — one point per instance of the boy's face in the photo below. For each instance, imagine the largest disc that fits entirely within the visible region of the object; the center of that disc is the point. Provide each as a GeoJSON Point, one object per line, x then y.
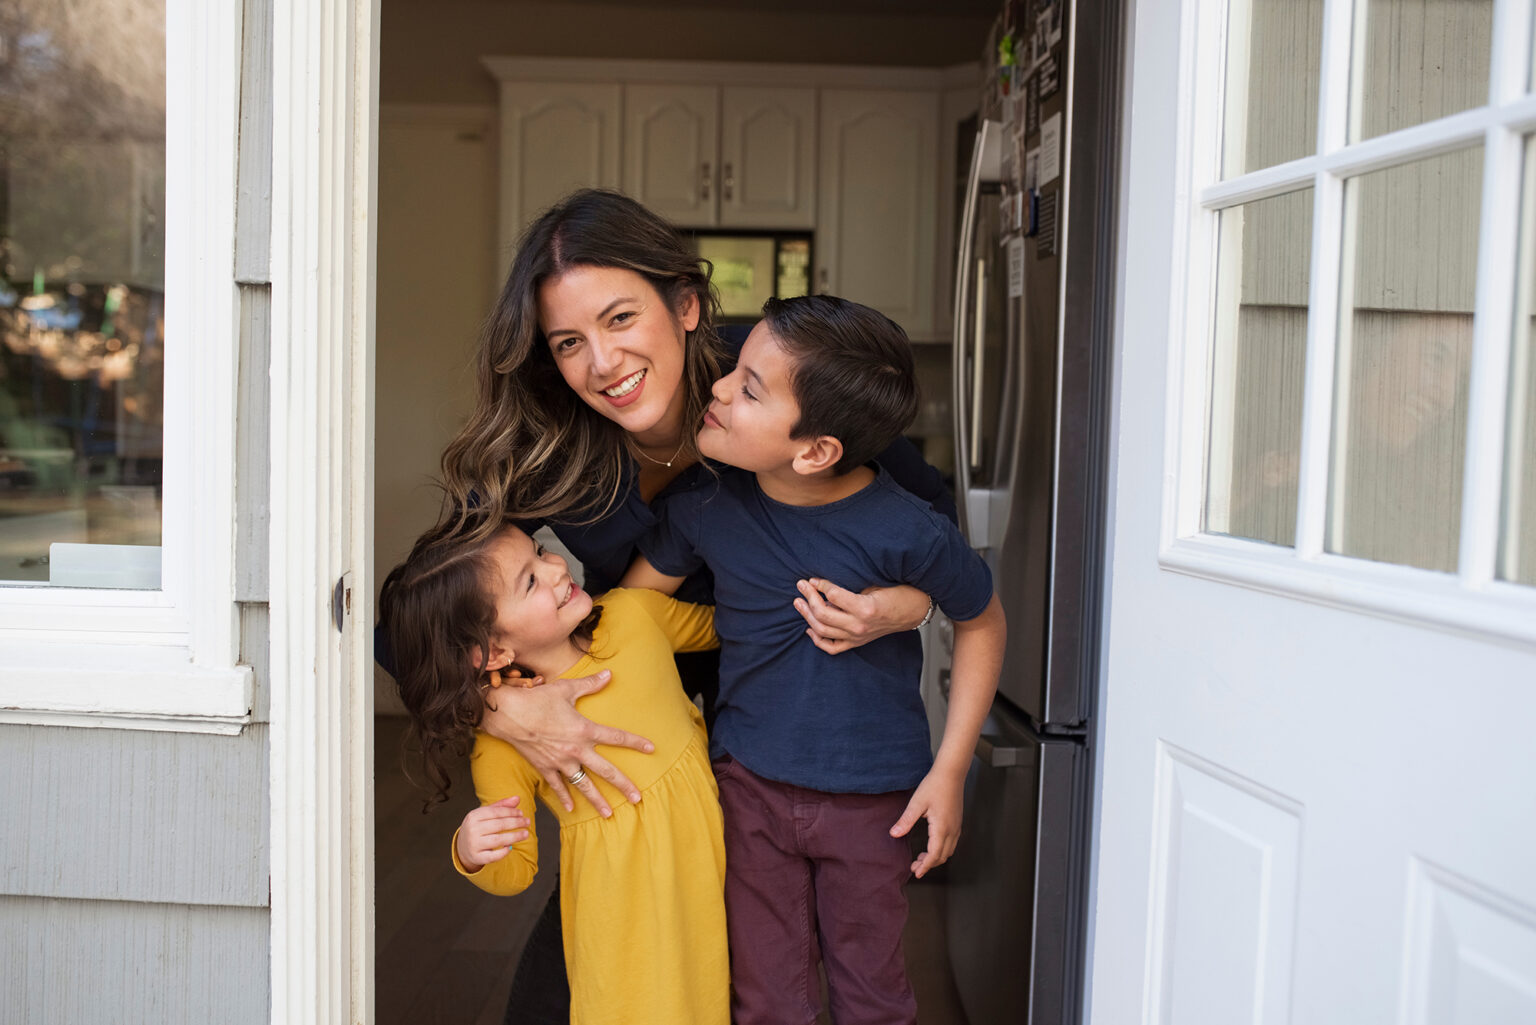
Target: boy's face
{"type": "Point", "coordinates": [749, 421]}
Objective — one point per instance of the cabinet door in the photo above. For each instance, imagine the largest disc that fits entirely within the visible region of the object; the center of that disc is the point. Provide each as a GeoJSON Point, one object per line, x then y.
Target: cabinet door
{"type": "Point", "coordinates": [767, 158]}
{"type": "Point", "coordinates": [671, 146]}
{"type": "Point", "coordinates": [555, 137]}
{"type": "Point", "coordinates": [877, 202]}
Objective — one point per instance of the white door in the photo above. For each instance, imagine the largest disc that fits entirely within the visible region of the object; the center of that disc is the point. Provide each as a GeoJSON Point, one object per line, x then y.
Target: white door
{"type": "Point", "coordinates": [1318, 769]}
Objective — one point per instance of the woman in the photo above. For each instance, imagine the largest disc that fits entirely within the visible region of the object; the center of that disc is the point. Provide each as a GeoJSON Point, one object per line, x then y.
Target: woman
{"type": "Point", "coordinates": [593, 374]}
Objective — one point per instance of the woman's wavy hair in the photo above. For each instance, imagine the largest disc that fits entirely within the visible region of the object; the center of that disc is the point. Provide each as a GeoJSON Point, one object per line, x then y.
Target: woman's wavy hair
{"type": "Point", "coordinates": [438, 610]}
{"type": "Point", "coordinates": [532, 449]}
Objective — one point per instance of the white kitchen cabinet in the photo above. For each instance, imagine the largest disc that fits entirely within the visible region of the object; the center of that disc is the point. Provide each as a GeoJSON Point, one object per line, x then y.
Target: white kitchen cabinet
{"type": "Point", "coordinates": [877, 202]}
{"type": "Point", "coordinates": [707, 156]}
{"type": "Point", "coordinates": [555, 137]}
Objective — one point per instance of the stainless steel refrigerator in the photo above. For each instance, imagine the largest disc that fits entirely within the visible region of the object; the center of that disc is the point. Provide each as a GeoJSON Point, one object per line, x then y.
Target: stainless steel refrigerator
{"type": "Point", "coordinates": [1033, 308]}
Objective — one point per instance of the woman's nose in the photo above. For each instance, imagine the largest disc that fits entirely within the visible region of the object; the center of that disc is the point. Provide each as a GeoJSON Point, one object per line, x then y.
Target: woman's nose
{"type": "Point", "coordinates": [605, 355]}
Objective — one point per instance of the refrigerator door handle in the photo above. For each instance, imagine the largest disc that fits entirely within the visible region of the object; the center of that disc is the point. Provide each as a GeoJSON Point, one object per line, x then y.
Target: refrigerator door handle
{"type": "Point", "coordinates": [998, 756]}
{"type": "Point", "coordinates": [986, 167]}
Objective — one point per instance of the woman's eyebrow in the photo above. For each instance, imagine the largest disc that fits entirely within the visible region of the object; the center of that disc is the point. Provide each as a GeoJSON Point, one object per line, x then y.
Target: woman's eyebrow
{"type": "Point", "coordinates": [620, 301]}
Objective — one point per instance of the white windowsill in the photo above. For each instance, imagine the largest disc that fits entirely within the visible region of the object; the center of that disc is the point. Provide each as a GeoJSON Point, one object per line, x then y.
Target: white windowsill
{"type": "Point", "coordinates": [140, 687]}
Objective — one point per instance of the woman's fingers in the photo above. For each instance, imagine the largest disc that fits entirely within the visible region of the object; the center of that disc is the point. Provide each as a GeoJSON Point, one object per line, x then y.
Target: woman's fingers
{"type": "Point", "coordinates": [830, 611]}
{"type": "Point", "coordinates": [587, 788]}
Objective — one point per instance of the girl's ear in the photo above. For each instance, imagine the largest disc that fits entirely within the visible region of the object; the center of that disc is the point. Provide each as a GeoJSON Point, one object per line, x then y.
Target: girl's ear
{"type": "Point", "coordinates": [500, 657]}
{"type": "Point", "coordinates": [817, 455]}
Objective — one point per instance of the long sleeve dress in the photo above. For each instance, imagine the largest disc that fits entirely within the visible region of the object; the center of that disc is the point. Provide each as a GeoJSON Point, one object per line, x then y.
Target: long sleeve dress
{"type": "Point", "coordinates": [642, 893]}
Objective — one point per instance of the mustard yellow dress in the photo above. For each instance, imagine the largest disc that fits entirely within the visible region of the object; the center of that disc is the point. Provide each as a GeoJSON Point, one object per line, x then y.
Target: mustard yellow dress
{"type": "Point", "coordinates": [642, 893]}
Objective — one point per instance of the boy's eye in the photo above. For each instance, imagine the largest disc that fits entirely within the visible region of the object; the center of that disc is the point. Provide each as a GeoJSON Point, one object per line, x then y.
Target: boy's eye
{"type": "Point", "coordinates": [748, 393]}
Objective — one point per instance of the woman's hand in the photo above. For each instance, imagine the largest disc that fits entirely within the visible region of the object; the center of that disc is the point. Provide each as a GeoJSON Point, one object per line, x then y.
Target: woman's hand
{"type": "Point", "coordinates": [560, 742]}
{"type": "Point", "coordinates": [840, 619]}
{"type": "Point", "coordinates": [489, 832]}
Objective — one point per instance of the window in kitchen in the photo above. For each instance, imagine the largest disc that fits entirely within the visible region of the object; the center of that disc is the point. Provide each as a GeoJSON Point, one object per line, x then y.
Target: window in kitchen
{"type": "Point", "coordinates": [1361, 279]}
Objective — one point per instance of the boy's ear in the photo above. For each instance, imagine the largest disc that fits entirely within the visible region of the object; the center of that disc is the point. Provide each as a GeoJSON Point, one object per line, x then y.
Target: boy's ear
{"type": "Point", "coordinates": [817, 455]}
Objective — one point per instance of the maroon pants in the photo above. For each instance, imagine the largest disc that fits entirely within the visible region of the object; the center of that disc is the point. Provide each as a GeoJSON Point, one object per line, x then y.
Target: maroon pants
{"type": "Point", "coordinates": [806, 869]}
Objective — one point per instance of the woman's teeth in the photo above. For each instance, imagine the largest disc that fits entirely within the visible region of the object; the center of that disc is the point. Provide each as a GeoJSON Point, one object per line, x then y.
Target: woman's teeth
{"type": "Point", "coordinates": [625, 386]}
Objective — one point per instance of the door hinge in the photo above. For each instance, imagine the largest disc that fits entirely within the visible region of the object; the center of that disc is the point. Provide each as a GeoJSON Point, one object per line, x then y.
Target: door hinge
{"type": "Point", "coordinates": [341, 601]}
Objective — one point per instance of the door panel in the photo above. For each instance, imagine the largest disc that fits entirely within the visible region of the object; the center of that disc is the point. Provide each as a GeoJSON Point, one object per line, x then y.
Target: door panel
{"type": "Point", "coordinates": [671, 135]}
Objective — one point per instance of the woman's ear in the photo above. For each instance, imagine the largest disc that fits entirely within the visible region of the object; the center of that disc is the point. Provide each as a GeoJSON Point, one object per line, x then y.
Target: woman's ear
{"type": "Point", "coordinates": [817, 455]}
{"type": "Point", "coordinates": [688, 312]}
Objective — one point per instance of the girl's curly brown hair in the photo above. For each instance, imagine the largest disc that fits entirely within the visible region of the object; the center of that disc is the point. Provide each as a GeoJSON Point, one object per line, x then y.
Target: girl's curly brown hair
{"type": "Point", "coordinates": [437, 610]}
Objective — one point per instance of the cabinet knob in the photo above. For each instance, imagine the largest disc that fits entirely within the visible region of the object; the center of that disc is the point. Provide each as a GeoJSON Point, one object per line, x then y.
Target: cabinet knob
{"type": "Point", "coordinates": [705, 180]}
{"type": "Point", "coordinates": [729, 182]}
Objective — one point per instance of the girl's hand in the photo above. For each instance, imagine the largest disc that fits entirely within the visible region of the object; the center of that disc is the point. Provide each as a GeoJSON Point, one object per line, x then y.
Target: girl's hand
{"type": "Point", "coordinates": [840, 619]}
{"type": "Point", "coordinates": [489, 832]}
{"type": "Point", "coordinates": [558, 741]}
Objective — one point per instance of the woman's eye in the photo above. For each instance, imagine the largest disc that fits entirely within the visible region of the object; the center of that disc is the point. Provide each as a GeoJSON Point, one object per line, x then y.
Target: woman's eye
{"type": "Point", "coordinates": [563, 345]}
{"type": "Point", "coordinates": [620, 318]}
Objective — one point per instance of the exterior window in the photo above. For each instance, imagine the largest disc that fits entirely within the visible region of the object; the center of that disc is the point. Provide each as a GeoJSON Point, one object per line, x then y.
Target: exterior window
{"type": "Point", "coordinates": [82, 346]}
{"type": "Point", "coordinates": [1517, 557]}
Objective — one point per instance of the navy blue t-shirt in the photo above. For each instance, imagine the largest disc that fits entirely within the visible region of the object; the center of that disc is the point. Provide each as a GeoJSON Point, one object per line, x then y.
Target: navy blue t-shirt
{"type": "Point", "coordinates": [846, 723]}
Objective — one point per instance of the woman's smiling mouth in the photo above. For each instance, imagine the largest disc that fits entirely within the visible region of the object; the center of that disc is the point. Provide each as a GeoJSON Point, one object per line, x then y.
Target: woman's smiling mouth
{"type": "Point", "coordinates": [625, 386]}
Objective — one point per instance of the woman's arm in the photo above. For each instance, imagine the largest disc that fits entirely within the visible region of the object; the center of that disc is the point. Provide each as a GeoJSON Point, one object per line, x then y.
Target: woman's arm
{"type": "Point", "coordinates": [558, 741]}
{"type": "Point", "coordinates": [839, 620]}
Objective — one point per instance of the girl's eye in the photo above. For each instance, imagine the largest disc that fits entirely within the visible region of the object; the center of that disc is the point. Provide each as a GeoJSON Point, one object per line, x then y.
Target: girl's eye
{"type": "Point", "coordinates": [538, 551]}
{"type": "Point", "coordinates": [530, 582]}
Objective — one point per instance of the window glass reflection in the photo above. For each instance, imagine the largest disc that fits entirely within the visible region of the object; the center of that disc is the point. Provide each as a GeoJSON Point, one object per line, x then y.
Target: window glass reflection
{"type": "Point", "coordinates": [82, 241]}
{"type": "Point", "coordinates": [1258, 368]}
{"type": "Point", "coordinates": [1274, 65]}
{"type": "Point", "coordinates": [1517, 559]}
{"type": "Point", "coordinates": [1405, 345]}
{"type": "Point", "coordinates": [1424, 59]}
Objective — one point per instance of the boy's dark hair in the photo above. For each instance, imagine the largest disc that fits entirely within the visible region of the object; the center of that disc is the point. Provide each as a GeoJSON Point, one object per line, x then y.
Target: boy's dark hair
{"type": "Point", "coordinates": [436, 610]}
{"type": "Point", "coordinates": [853, 376]}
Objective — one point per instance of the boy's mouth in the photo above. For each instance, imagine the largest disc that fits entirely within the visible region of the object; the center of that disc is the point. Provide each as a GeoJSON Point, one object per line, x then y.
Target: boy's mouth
{"type": "Point", "coordinates": [710, 420]}
{"type": "Point", "coordinates": [624, 387]}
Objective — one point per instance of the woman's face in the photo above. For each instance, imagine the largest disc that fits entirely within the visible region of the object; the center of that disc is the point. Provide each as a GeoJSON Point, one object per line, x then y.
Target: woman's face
{"type": "Point", "coordinates": [620, 347]}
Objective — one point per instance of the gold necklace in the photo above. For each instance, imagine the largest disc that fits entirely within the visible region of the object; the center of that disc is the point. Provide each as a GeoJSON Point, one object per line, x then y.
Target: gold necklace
{"type": "Point", "coordinates": [658, 462]}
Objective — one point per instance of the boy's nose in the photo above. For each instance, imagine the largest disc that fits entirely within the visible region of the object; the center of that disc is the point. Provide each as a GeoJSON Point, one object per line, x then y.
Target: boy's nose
{"type": "Point", "coordinates": [721, 390]}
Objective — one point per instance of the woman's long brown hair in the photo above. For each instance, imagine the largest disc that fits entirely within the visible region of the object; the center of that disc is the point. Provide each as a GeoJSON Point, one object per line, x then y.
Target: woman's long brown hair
{"type": "Point", "coordinates": [532, 450]}
{"type": "Point", "coordinates": [438, 610]}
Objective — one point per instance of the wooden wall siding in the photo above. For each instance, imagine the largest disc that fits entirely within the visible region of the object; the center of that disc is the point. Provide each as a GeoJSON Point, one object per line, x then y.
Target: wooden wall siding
{"type": "Point", "coordinates": [1283, 50]}
{"type": "Point", "coordinates": [255, 651]}
{"type": "Point", "coordinates": [1424, 59]}
{"type": "Point", "coordinates": [112, 963]}
{"type": "Point", "coordinates": [1275, 236]}
{"type": "Point", "coordinates": [1522, 463]}
{"type": "Point", "coordinates": [134, 815]}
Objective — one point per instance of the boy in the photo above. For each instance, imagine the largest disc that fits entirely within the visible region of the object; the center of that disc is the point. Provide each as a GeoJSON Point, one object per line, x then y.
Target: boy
{"type": "Point", "coordinates": [817, 755]}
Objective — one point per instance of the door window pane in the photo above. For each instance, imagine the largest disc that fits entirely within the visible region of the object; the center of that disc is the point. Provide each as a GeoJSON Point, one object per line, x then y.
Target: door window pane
{"type": "Point", "coordinates": [1405, 344]}
{"type": "Point", "coordinates": [1258, 368]}
{"type": "Point", "coordinates": [1424, 59]}
{"type": "Point", "coordinates": [82, 241]}
{"type": "Point", "coordinates": [1274, 62]}
{"type": "Point", "coordinates": [1517, 559]}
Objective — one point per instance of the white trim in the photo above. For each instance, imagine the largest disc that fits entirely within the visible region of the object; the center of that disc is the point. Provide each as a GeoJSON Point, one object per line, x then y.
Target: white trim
{"type": "Point", "coordinates": [836, 76]}
{"type": "Point", "coordinates": [1497, 611]}
{"type": "Point", "coordinates": [325, 109]}
{"type": "Point", "coordinates": [193, 619]}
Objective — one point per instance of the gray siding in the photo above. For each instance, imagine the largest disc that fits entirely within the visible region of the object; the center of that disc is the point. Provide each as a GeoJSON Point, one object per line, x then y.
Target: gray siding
{"type": "Point", "coordinates": [133, 815]}
{"type": "Point", "coordinates": [74, 962]}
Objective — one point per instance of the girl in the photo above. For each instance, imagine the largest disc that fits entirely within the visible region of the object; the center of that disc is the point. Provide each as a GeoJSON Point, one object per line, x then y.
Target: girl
{"type": "Point", "coordinates": [641, 892]}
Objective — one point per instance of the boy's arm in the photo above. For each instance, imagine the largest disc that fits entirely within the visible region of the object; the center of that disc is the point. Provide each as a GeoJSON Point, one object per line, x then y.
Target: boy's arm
{"type": "Point", "coordinates": [642, 574]}
{"type": "Point", "coordinates": [939, 797]}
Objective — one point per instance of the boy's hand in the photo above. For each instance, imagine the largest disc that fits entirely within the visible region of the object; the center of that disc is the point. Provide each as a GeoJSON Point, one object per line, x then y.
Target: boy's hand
{"type": "Point", "coordinates": [938, 798]}
{"type": "Point", "coordinates": [489, 832]}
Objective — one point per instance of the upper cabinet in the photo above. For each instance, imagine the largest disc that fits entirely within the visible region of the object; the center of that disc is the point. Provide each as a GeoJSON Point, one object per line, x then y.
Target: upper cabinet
{"type": "Point", "coordinates": [877, 209]}
{"type": "Point", "coordinates": [555, 137]}
{"type": "Point", "coordinates": [851, 154]}
{"type": "Point", "coordinates": [706, 156]}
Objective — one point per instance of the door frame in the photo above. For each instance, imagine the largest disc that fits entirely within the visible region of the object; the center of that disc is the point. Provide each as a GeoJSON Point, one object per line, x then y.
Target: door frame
{"type": "Point", "coordinates": [325, 58]}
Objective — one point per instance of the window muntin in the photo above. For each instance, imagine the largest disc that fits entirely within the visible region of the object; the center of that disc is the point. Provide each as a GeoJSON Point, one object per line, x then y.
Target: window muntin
{"type": "Point", "coordinates": [1257, 367]}
{"type": "Point", "coordinates": [82, 249]}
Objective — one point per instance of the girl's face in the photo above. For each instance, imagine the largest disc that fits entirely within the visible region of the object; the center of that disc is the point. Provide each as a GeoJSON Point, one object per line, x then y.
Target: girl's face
{"type": "Point", "coordinates": [537, 604]}
{"type": "Point", "coordinates": [620, 346]}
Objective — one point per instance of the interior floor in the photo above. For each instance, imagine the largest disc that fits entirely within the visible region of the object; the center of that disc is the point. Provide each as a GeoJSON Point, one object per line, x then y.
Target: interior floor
{"type": "Point", "coordinates": [445, 951]}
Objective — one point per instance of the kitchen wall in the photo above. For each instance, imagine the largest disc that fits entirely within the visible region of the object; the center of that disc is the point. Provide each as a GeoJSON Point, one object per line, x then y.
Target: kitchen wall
{"type": "Point", "coordinates": [438, 264]}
